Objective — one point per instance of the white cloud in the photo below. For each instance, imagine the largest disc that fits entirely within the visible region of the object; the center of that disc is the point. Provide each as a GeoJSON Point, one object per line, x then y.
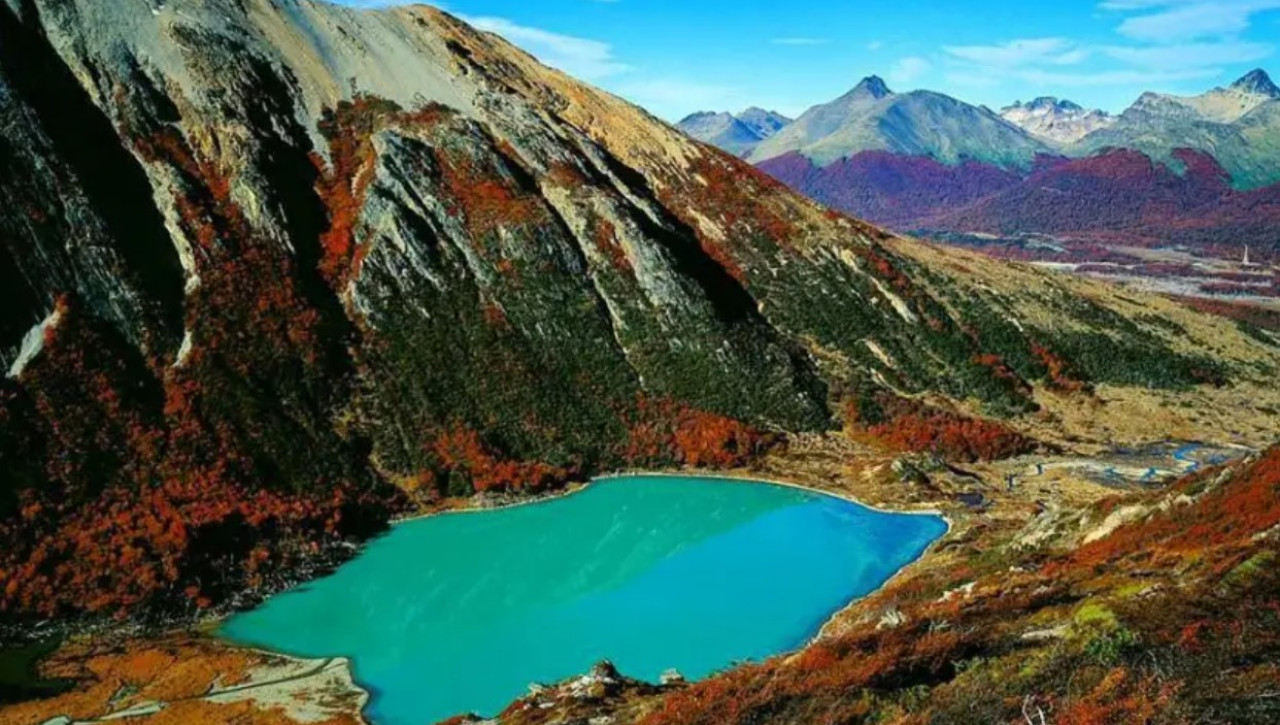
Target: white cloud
{"type": "Point", "coordinates": [1183, 20]}
{"type": "Point", "coordinates": [580, 57]}
{"type": "Point", "coordinates": [1191, 55]}
{"type": "Point", "coordinates": [1057, 61]}
{"type": "Point", "coordinates": [908, 69]}
{"type": "Point", "coordinates": [1141, 78]}
{"type": "Point", "coordinates": [1038, 51]}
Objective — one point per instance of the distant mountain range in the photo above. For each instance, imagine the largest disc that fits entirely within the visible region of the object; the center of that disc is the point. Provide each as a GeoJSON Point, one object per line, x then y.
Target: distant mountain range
{"type": "Point", "coordinates": [873, 118]}
{"type": "Point", "coordinates": [1239, 125]}
{"type": "Point", "coordinates": [736, 134]}
{"type": "Point", "coordinates": [1170, 169]}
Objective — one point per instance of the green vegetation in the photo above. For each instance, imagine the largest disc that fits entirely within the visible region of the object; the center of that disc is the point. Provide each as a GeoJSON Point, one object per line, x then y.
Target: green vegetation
{"type": "Point", "coordinates": [19, 680]}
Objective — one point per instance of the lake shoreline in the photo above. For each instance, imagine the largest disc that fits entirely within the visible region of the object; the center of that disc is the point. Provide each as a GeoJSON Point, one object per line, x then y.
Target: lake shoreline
{"type": "Point", "coordinates": [745, 477]}
{"type": "Point", "coordinates": [938, 530]}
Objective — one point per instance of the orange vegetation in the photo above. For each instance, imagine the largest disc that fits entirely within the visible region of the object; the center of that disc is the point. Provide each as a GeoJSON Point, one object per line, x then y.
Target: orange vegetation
{"type": "Point", "coordinates": [737, 198]}
{"type": "Point", "coordinates": [461, 451]}
{"type": "Point", "coordinates": [606, 240]}
{"type": "Point", "coordinates": [1225, 516]}
{"type": "Point", "coordinates": [175, 486]}
{"type": "Point", "coordinates": [913, 427]}
{"type": "Point", "coordinates": [665, 432]}
{"type": "Point", "coordinates": [483, 193]}
{"type": "Point", "coordinates": [109, 678]}
{"type": "Point", "coordinates": [1058, 375]}
{"type": "Point", "coordinates": [342, 187]}
{"type": "Point", "coordinates": [1118, 698]}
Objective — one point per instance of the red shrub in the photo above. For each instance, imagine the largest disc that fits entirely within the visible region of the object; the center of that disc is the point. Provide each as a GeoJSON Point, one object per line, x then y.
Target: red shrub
{"type": "Point", "coordinates": [665, 432]}
{"type": "Point", "coordinates": [461, 451]}
{"type": "Point", "coordinates": [911, 426]}
{"type": "Point", "coordinates": [1059, 378]}
{"type": "Point", "coordinates": [1226, 516]}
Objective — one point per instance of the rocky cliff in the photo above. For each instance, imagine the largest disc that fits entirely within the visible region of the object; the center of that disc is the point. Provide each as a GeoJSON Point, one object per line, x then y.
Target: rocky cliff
{"type": "Point", "coordinates": [270, 257]}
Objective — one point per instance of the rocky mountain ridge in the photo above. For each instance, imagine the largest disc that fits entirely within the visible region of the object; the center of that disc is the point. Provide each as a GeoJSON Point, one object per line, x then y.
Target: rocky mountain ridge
{"type": "Point", "coordinates": [736, 134]}
{"type": "Point", "coordinates": [1238, 125]}
{"type": "Point", "coordinates": [871, 117]}
{"type": "Point", "coordinates": [1059, 121]}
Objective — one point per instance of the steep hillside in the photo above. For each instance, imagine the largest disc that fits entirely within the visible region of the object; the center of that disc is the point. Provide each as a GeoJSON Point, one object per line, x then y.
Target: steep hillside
{"type": "Point", "coordinates": [920, 123]}
{"type": "Point", "coordinates": [271, 257]}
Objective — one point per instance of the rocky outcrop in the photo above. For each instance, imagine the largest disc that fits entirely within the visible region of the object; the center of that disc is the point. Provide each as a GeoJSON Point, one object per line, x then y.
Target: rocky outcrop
{"type": "Point", "coordinates": [1056, 121]}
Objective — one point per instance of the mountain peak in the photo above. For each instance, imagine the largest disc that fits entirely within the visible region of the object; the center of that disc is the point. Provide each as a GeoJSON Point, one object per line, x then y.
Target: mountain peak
{"type": "Point", "coordinates": [700, 116]}
{"type": "Point", "coordinates": [873, 86]}
{"type": "Point", "coordinates": [764, 124]}
{"type": "Point", "coordinates": [1047, 103]}
{"type": "Point", "coordinates": [1257, 81]}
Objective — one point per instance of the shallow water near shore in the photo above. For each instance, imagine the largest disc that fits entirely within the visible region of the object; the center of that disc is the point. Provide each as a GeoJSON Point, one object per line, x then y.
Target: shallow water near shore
{"type": "Point", "coordinates": [460, 613]}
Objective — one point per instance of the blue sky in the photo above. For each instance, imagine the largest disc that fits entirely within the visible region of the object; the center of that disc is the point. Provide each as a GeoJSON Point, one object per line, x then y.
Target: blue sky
{"type": "Point", "coordinates": [678, 56]}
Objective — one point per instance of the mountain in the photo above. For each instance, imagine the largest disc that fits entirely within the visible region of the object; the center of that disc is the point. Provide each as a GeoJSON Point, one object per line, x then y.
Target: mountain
{"type": "Point", "coordinates": [1124, 196]}
{"type": "Point", "coordinates": [1059, 122]}
{"type": "Point", "coordinates": [871, 117]}
{"type": "Point", "coordinates": [1239, 125]}
{"type": "Point", "coordinates": [1257, 83]}
{"type": "Point", "coordinates": [901, 192]}
{"type": "Point", "coordinates": [763, 123]}
{"type": "Point", "coordinates": [277, 270]}
{"type": "Point", "coordinates": [1118, 196]}
{"type": "Point", "coordinates": [736, 134]}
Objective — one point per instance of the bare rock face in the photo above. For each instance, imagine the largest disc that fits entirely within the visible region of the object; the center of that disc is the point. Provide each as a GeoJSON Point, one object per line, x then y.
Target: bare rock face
{"type": "Point", "coordinates": [1056, 121]}
{"type": "Point", "coordinates": [297, 251]}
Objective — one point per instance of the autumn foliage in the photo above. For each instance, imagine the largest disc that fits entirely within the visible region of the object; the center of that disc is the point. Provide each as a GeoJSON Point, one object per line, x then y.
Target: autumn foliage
{"type": "Point", "coordinates": [169, 483]}
{"type": "Point", "coordinates": [140, 503]}
{"type": "Point", "coordinates": [461, 453]}
{"type": "Point", "coordinates": [484, 193]}
{"type": "Point", "coordinates": [1059, 376]}
{"type": "Point", "coordinates": [911, 426]}
{"type": "Point", "coordinates": [663, 432]}
{"type": "Point", "coordinates": [344, 182]}
{"type": "Point", "coordinates": [1226, 515]}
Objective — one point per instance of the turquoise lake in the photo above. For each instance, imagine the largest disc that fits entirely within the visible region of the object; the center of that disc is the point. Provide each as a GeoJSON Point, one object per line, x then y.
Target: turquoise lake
{"type": "Point", "coordinates": [460, 613]}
